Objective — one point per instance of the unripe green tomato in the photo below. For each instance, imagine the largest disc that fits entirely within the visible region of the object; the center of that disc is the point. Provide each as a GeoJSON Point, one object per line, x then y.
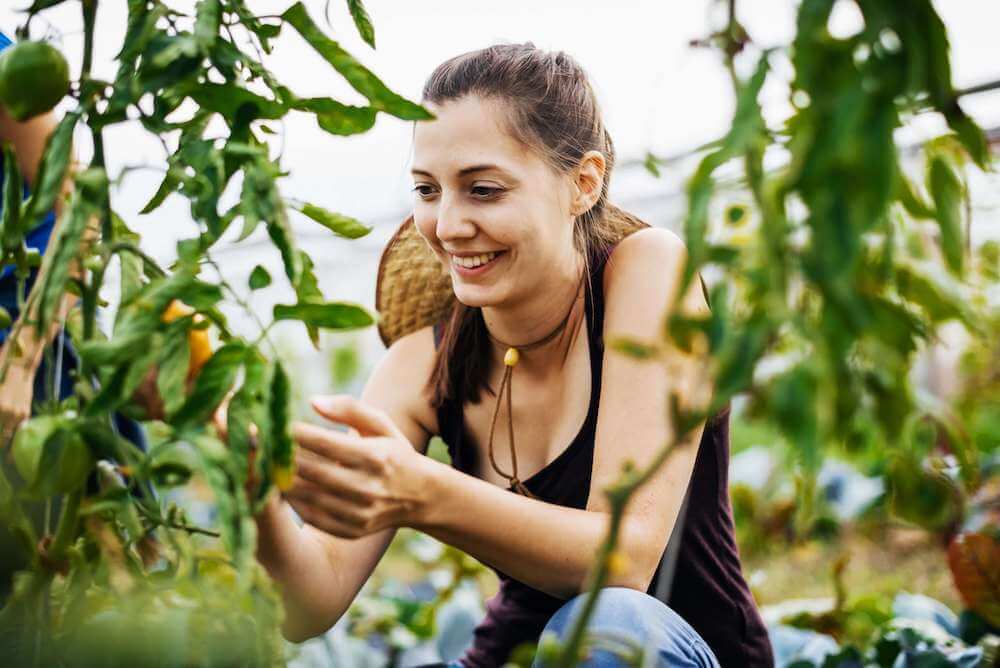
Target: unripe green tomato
{"type": "Point", "coordinates": [73, 460]}
{"type": "Point", "coordinates": [5, 319]}
{"type": "Point", "coordinates": [34, 76]}
{"type": "Point", "coordinates": [29, 442]}
{"type": "Point", "coordinates": [33, 258]}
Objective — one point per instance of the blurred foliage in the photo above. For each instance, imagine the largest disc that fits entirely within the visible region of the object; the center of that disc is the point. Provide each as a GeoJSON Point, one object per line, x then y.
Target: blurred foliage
{"type": "Point", "coordinates": [117, 560]}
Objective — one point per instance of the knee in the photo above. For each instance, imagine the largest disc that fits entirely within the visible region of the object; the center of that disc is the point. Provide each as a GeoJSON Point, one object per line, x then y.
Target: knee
{"type": "Point", "coordinates": [616, 607]}
{"type": "Point", "coordinates": [644, 620]}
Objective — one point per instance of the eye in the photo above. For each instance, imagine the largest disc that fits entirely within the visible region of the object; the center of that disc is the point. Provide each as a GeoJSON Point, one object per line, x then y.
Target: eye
{"type": "Point", "coordinates": [423, 190]}
{"type": "Point", "coordinates": [485, 192]}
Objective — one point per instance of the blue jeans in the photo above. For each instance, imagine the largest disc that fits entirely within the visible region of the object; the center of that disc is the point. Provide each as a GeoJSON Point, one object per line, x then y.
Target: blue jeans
{"type": "Point", "coordinates": [646, 621]}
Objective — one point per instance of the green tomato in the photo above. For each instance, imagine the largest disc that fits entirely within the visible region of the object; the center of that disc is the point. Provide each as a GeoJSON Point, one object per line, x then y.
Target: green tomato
{"type": "Point", "coordinates": [68, 462]}
{"type": "Point", "coordinates": [34, 76]}
{"type": "Point", "coordinates": [5, 319]}
{"type": "Point", "coordinates": [29, 442]}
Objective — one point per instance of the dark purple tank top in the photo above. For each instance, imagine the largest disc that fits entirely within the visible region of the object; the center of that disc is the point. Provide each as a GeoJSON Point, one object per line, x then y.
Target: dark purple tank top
{"type": "Point", "coordinates": [708, 589]}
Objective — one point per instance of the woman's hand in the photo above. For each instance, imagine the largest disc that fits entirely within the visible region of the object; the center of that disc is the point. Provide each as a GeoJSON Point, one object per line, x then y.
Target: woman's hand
{"type": "Point", "coordinates": [354, 484]}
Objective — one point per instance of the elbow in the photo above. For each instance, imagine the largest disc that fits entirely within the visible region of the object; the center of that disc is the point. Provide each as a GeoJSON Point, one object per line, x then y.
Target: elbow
{"type": "Point", "coordinates": [633, 574]}
{"type": "Point", "coordinates": [301, 632]}
{"type": "Point", "coordinates": [635, 561]}
{"type": "Point", "coordinates": [301, 625]}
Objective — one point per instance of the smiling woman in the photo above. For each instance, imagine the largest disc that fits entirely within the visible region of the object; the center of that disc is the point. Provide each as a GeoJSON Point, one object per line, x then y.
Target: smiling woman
{"type": "Point", "coordinates": [513, 252]}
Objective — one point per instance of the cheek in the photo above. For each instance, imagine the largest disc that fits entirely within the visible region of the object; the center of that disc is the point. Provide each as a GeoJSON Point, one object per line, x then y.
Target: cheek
{"type": "Point", "coordinates": [425, 225]}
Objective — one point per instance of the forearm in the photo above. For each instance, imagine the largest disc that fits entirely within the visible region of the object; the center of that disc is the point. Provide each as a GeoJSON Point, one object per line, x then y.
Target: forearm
{"type": "Point", "coordinates": [295, 559]}
{"type": "Point", "coordinates": [549, 547]}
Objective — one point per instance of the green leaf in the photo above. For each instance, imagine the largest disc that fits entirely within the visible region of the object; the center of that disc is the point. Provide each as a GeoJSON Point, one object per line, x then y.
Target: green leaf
{"type": "Point", "coordinates": [437, 450]}
{"type": "Point", "coordinates": [51, 172]}
{"type": "Point", "coordinates": [937, 293]}
{"type": "Point", "coordinates": [281, 444]}
{"type": "Point", "coordinates": [338, 118]}
{"type": "Point", "coordinates": [65, 463]}
{"type": "Point", "coordinates": [200, 295]}
{"type": "Point", "coordinates": [237, 104]}
{"type": "Point", "coordinates": [792, 400]}
{"type": "Point", "coordinates": [10, 224]}
{"type": "Point", "coordinates": [911, 201]}
{"type": "Point", "coordinates": [652, 164]}
{"type": "Point", "coordinates": [259, 278]}
{"type": "Point", "coordinates": [206, 24]}
{"type": "Point", "coordinates": [331, 315]}
{"type": "Point", "coordinates": [60, 254]}
{"type": "Point", "coordinates": [171, 181]}
{"type": "Point", "coordinates": [171, 381]}
{"type": "Point", "coordinates": [971, 135]}
{"type": "Point", "coordinates": [946, 190]}
{"type": "Point", "coordinates": [356, 74]}
{"type": "Point", "coordinates": [337, 223]}
{"type": "Point", "coordinates": [362, 21]}
{"type": "Point", "coordinates": [142, 365]}
{"type": "Point", "coordinates": [212, 385]}
{"type": "Point", "coordinates": [307, 290]}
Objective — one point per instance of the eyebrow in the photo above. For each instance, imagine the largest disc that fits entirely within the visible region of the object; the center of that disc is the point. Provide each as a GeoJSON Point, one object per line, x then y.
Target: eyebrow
{"type": "Point", "coordinates": [465, 171]}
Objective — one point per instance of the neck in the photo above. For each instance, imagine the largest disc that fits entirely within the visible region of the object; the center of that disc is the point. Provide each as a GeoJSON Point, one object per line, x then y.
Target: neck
{"type": "Point", "coordinates": [531, 321]}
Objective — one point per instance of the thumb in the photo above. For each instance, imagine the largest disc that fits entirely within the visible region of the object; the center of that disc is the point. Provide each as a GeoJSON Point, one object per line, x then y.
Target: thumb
{"type": "Point", "coordinates": [353, 412]}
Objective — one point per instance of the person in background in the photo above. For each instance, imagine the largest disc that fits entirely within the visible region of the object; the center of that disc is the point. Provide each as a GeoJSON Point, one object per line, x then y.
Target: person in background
{"type": "Point", "coordinates": [32, 360]}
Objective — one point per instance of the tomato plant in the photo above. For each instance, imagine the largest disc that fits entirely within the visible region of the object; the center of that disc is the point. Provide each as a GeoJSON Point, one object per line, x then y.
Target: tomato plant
{"type": "Point", "coordinates": [120, 574]}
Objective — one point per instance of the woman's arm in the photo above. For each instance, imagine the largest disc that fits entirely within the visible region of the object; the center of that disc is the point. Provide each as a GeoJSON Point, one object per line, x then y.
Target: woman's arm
{"type": "Point", "coordinates": [321, 574]}
{"type": "Point", "coordinates": [352, 486]}
{"type": "Point", "coordinates": [550, 547]}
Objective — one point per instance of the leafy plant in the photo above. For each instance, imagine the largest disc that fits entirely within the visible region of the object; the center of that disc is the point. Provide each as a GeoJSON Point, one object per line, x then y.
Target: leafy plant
{"type": "Point", "coordinates": [122, 560]}
{"type": "Point", "coordinates": [836, 280]}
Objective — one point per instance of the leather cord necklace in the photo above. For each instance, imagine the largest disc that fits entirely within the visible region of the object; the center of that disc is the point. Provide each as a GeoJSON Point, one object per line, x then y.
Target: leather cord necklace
{"type": "Point", "coordinates": [510, 360]}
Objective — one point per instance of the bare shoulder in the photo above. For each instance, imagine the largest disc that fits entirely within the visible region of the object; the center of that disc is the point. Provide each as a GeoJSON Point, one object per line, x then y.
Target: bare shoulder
{"type": "Point", "coordinates": [396, 385]}
{"type": "Point", "coordinates": [642, 274]}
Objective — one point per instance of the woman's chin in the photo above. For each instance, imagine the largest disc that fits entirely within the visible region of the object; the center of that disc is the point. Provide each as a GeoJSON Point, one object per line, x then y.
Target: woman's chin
{"type": "Point", "coordinates": [474, 297]}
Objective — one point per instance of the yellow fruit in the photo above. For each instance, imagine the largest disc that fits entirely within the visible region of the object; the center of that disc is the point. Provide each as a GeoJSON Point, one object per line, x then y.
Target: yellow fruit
{"type": "Point", "coordinates": [198, 342]}
{"type": "Point", "coordinates": [34, 76]}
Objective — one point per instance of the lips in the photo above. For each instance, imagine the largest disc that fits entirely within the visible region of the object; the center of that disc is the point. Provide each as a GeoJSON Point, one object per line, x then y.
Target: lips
{"type": "Point", "coordinates": [475, 261]}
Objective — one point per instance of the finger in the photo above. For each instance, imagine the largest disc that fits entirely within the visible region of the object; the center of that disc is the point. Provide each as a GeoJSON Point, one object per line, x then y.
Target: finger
{"type": "Point", "coordinates": [343, 408]}
{"type": "Point", "coordinates": [338, 446]}
{"type": "Point", "coordinates": [336, 480]}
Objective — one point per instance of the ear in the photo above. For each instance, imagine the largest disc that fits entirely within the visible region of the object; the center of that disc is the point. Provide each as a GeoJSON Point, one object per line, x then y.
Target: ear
{"type": "Point", "coordinates": [588, 179]}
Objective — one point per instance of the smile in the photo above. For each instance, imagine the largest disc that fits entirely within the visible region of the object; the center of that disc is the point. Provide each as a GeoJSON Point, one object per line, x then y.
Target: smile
{"type": "Point", "coordinates": [470, 266]}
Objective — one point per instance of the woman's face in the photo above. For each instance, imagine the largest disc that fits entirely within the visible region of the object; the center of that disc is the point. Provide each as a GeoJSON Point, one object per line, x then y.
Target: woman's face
{"type": "Point", "coordinates": [478, 190]}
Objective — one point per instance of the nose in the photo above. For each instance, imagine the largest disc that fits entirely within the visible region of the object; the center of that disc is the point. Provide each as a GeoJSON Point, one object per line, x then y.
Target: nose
{"type": "Point", "coordinates": [452, 222]}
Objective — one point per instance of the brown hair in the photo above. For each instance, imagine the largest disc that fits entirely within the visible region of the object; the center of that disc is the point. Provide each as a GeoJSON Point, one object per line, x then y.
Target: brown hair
{"type": "Point", "coordinates": [553, 111]}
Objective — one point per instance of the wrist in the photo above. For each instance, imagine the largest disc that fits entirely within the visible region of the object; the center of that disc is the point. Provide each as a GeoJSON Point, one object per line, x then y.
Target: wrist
{"type": "Point", "coordinates": [432, 490]}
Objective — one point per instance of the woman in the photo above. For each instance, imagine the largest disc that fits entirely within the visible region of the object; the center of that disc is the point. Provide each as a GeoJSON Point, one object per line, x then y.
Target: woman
{"type": "Point", "coordinates": [512, 175]}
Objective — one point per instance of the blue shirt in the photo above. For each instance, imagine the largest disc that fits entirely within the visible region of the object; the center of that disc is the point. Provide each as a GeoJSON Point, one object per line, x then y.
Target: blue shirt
{"type": "Point", "coordinates": [37, 238]}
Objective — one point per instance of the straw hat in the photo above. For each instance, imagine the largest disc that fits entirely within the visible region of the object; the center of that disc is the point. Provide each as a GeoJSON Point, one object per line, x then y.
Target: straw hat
{"type": "Point", "coordinates": [413, 288]}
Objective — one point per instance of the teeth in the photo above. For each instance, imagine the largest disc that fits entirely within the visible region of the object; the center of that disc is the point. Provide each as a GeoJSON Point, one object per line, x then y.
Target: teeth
{"type": "Point", "coordinates": [474, 261]}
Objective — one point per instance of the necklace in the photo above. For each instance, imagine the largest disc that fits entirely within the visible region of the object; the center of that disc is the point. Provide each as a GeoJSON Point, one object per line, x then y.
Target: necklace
{"type": "Point", "coordinates": [510, 360]}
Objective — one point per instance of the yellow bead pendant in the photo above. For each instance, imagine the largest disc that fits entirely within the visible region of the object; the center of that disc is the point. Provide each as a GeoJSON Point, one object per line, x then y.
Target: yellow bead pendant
{"type": "Point", "coordinates": [511, 358]}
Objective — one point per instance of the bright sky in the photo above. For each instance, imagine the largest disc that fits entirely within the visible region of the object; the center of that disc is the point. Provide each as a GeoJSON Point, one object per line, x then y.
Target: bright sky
{"type": "Point", "coordinates": [657, 93]}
